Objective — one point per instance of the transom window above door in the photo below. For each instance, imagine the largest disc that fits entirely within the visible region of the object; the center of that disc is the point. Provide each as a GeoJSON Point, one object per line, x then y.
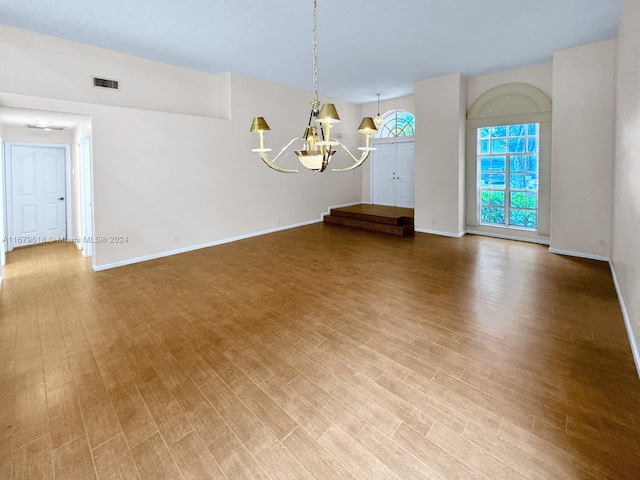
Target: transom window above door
{"type": "Point", "coordinates": [398, 123]}
{"type": "Point", "coordinates": [508, 175]}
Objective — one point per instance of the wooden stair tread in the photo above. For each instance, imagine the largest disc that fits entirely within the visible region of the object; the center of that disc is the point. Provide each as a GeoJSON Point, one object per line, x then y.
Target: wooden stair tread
{"type": "Point", "coordinates": [392, 220]}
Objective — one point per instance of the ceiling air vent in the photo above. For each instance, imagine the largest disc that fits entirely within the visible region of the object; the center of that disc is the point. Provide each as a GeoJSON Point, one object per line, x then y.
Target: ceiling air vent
{"type": "Point", "coordinates": [105, 83]}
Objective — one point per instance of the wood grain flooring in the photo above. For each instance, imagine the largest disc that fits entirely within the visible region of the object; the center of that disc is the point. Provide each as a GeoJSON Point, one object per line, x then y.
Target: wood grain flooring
{"type": "Point", "coordinates": [317, 353]}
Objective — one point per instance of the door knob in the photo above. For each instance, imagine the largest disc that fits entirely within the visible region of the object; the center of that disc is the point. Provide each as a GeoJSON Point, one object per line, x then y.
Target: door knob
{"type": "Point", "coordinates": [61, 198]}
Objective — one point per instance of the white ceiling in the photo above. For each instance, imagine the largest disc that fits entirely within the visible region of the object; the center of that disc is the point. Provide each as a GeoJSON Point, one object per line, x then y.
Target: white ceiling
{"type": "Point", "coordinates": [365, 47]}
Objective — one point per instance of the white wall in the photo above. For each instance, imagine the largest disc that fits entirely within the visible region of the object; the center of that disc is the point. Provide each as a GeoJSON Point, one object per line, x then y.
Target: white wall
{"type": "Point", "coordinates": [539, 76]}
{"type": "Point", "coordinates": [160, 174]}
{"type": "Point", "coordinates": [440, 154]}
{"type": "Point", "coordinates": [625, 251]}
{"type": "Point", "coordinates": [583, 149]}
{"type": "Point", "coordinates": [51, 67]}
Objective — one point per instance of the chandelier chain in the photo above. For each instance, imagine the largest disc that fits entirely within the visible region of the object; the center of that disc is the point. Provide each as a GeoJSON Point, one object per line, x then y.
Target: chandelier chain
{"type": "Point", "coordinates": [316, 98]}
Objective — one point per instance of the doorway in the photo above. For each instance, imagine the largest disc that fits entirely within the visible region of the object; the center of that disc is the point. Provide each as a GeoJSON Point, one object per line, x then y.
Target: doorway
{"type": "Point", "coordinates": [392, 174]}
{"type": "Point", "coordinates": [37, 187]}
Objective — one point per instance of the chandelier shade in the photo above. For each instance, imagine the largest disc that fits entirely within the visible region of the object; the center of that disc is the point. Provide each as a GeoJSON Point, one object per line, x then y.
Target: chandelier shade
{"type": "Point", "coordinates": [316, 141]}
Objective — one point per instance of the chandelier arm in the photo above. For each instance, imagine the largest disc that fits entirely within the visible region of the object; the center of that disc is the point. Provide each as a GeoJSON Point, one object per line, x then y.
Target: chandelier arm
{"type": "Point", "coordinates": [272, 163]}
{"type": "Point", "coordinates": [269, 163]}
{"type": "Point", "coordinates": [358, 162]}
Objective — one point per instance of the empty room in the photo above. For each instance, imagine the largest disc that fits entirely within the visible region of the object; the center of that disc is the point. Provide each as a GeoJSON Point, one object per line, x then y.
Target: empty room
{"type": "Point", "coordinates": [320, 240]}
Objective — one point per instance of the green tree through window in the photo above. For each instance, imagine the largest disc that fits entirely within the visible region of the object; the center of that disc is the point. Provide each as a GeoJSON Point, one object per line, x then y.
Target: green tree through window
{"type": "Point", "coordinates": [508, 175]}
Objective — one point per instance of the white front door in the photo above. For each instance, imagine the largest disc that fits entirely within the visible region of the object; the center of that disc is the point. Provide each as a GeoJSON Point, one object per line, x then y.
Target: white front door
{"type": "Point", "coordinates": [393, 175]}
{"type": "Point", "coordinates": [38, 189]}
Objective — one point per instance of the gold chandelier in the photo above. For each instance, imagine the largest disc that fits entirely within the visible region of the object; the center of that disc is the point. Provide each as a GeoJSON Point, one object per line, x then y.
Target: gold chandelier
{"type": "Point", "coordinates": [317, 144]}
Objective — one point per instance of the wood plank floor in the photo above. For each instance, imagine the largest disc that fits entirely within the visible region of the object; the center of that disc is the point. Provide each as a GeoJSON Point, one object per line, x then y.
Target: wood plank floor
{"type": "Point", "coordinates": [317, 353]}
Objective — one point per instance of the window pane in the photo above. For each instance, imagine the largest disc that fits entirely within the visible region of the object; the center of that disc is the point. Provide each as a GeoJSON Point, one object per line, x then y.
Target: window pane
{"type": "Point", "coordinates": [532, 163]}
{"type": "Point", "coordinates": [531, 219]}
{"type": "Point", "coordinates": [516, 145]}
{"type": "Point", "coordinates": [516, 130]}
{"type": "Point", "coordinates": [497, 199]}
{"type": "Point", "coordinates": [499, 146]}
{"type": "Point", "coordinates": [485, 164]}
{"type": "Point", "coordinates": [498, 164]}
{"type": "Point", "coordinates": [484, 132]}
{"type": "Point", "coordinates": [532, 200]}
{"type": "Point", "coordinates": [492, 215]}
{"type": "Point", "coordinates": [484, 197]}
{"type": "Point", "coordinates": [532, 181]}
{"type": "Point", "coordinates": [518, 200]}
{"type": "Point", "coordinates": [517, 164]}
{"type": "Point", "coordinates": [532, 145]}
{"type": "Point", "coordinates": [532, 129]}
{"type": "Point", "coordinates": [396, 124]}
{"type": "Point", "coordinates": [518, 218]}
{"type": "Point", "coordinates": [497, 181]}
{"type": "Point", "coordinates": [499, 131]}
{"type": "Point", "coordinates": [484, 146]}
{"type": "Point", "coordinates": [518, 181]}
{"type": "Point", "coordinates": [484, 214]}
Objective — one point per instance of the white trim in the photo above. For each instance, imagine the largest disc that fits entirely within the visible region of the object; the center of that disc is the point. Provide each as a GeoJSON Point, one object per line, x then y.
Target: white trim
{"type": "Point", "coordinates": [578, 254]}
{"type": "Point", "coordinates": [627, 321]}
{"type": "Point", "coordinates": [85, 167]}
{"type": "Point", "coordinates": [443, 234]}
{"type": "Point", "coordinates": [509, 237]}
{"type": "Point", "coordinates": [130, 261]}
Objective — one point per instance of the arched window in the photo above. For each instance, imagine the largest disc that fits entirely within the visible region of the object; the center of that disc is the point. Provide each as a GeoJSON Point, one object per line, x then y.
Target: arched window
{"type": "Point", "coordinates": [509, 162]}
{"type": "Point", "coordinates": [397, 123]}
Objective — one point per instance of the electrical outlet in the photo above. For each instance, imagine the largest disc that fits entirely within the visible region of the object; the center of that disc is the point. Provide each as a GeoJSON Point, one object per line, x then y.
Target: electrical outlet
{"type": "Point", "coordinates": [175, 237]}
{"type": "Point", "coordinates": [277, 219]}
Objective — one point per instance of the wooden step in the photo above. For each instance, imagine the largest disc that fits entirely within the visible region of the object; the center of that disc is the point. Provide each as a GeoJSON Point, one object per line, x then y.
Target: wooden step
{"type": "Point", "coordinates": [400, 230]}
{"type": "Point", "coordinates": [379, 218]}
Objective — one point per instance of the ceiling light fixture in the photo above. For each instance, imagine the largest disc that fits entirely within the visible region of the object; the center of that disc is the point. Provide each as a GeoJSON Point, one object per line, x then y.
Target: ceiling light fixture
{"type": "Point", "coordinates": [378, 120]}
{"type": "Point", "coordinates": [317, 144]}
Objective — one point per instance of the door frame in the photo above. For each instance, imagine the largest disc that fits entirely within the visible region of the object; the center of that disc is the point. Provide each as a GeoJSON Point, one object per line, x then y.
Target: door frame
{"type": "Point", "coordinates": [8, 198]}
{"type": "Point", "coordinates": [85, 165]}
{"type": "Point", "coordinates": [386, 140]}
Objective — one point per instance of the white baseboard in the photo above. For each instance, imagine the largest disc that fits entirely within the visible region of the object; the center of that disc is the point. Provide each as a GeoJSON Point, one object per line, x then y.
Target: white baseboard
{"type": "Point", "coordinates": [130, 261]}
{"type": "Point", "coordinates": [578, 254]}
{"type": "Point", "coordinates": [508, 237]}
{"type": "Point", "coordinates": [627, 321]}
{"type": "Point", "coordinates": [443, 234]}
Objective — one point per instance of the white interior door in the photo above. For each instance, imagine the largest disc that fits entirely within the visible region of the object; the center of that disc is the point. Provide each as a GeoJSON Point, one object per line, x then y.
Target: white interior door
{"type": "Point", "coordinates": [393, 175]}
{"type": "Point", "coordinates": [384, 174]}
{"type": "Point", "coordinates": [38, 190]}
{"type": "Point", "coordinates": [405, 194]}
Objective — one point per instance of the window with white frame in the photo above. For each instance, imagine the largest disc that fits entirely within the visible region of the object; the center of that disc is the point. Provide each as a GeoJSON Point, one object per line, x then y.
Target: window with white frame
{"type": "Point", "coordinates": [398, 123]}
{"type": "Point", "coordinates": [508, 175]}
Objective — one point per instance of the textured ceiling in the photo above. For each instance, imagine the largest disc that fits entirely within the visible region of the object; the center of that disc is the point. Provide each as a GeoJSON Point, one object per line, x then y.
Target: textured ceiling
{"type": "Point", "coordinates": [364, 47]}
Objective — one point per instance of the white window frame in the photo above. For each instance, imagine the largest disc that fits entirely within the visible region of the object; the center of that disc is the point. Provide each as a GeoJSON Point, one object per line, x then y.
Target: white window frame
{"type": "Point", "coordinates": [507, 190]}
